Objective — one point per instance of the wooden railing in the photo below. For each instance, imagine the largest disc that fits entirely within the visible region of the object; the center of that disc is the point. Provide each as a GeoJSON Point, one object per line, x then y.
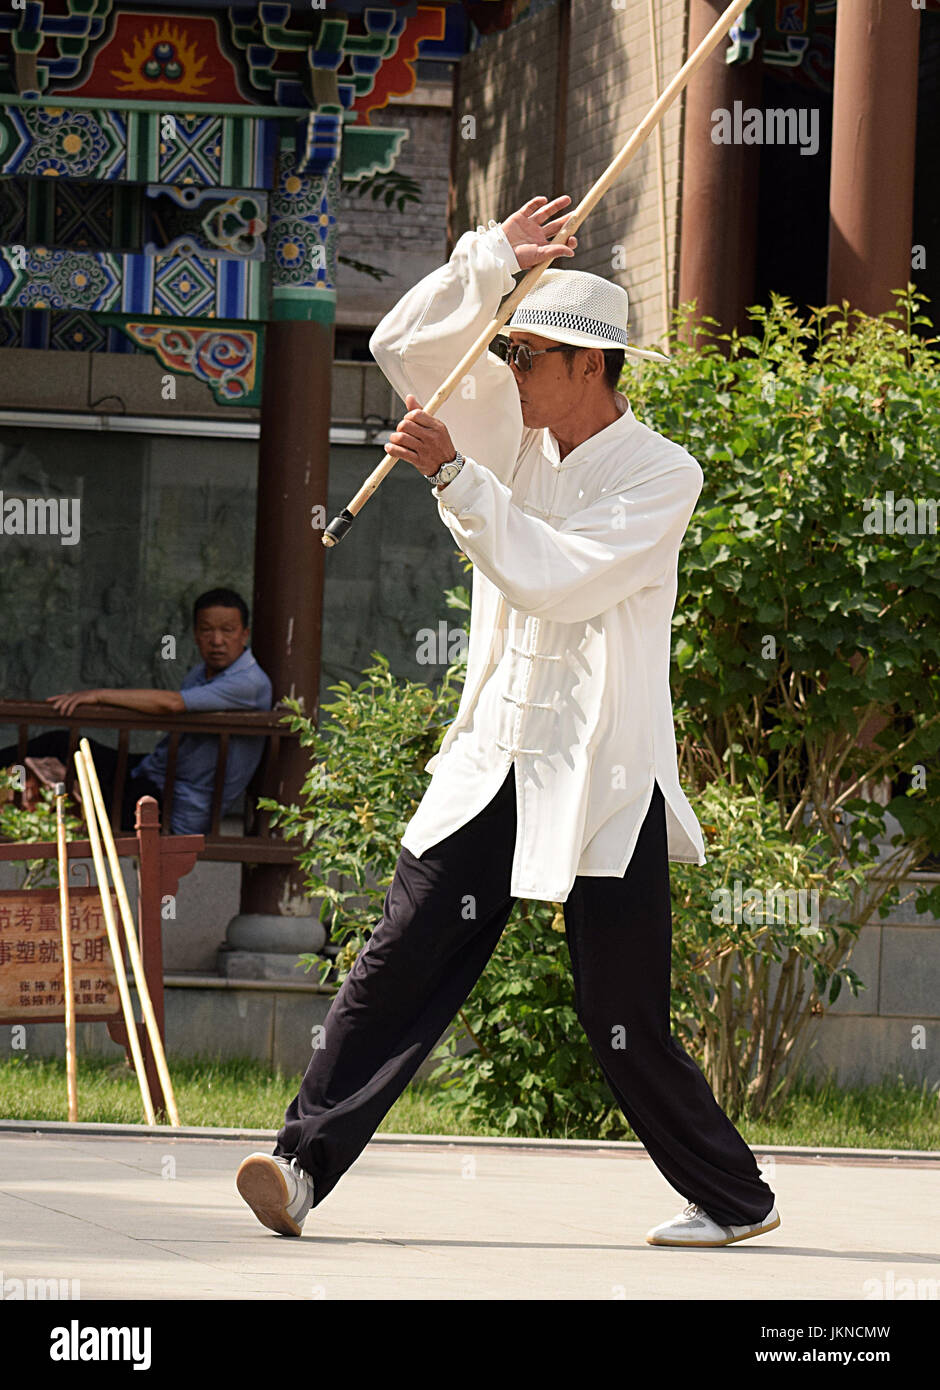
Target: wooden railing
{"type": "Point", "coordinates": [256, 844]}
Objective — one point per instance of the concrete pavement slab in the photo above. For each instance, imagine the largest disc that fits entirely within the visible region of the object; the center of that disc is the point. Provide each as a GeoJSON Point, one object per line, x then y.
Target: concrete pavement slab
{"type": "Point", "coordinates": [159, 1218]}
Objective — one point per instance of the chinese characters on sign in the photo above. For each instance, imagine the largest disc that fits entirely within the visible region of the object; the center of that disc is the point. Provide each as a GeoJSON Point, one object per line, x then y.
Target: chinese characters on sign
{"type": "Point", "coordinates": [31, 984]}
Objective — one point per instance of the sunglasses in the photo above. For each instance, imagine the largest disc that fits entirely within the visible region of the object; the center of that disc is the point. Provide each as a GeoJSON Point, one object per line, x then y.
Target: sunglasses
{"type": "Point", "coordinates": [520, 354]}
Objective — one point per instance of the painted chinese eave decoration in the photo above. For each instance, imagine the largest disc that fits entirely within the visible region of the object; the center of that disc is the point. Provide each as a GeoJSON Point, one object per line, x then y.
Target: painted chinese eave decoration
{"type": "Point", "coordinates": [793, 35]}
{"type": "Point", "coordinates": [170, 176]}
{"type": "Point", "coordinates": [226, 359]}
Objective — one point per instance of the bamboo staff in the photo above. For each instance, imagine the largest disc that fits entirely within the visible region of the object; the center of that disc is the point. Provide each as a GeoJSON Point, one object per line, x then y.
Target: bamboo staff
{"type": "Point", "coordinates": [140, 978]}
{"type": "Point", "coordinates": [341, 524]}
{"type": "Point", "coordinates": [660, 173]}
{"type": "Point", "coordinates": [66, 920]}
{"type": "Point", "coordinates": [117, 955]}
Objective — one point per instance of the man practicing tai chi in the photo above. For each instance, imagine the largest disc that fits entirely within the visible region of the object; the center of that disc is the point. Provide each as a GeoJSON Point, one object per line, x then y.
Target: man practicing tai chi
{"type": "Point", "coordinates": [558, 778]}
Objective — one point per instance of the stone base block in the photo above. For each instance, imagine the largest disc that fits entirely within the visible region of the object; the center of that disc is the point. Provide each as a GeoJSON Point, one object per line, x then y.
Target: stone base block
{"type": "Point", "coordinates": [264, 965]}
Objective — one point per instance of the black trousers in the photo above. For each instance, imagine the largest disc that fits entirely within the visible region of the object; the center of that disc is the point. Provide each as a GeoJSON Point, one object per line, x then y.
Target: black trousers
{"type": "Point", "coordinates": [55, 744]}
{"type": "Point", "coordinates": [424, 958]}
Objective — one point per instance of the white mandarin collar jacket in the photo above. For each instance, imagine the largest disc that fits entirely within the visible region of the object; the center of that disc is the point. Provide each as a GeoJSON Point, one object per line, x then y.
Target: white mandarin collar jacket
{"type": "Point", "coordinates": [574, 586]}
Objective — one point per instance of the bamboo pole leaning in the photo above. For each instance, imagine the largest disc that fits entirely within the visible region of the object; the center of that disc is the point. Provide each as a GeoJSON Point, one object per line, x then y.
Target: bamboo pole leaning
{"type": "Point", "coordinates": [133, 946]}
{"type": "Point", "coordinates": [114, 941]}
{"type": "Point", "coordinates": [65, 915]}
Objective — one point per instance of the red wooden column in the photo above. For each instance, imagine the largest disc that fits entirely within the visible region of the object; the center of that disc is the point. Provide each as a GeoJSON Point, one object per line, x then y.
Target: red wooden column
{"type": "Point", "coordinates": [718, 231]}
{"type": "Point", "coordinates": [293, 472]}
{"type": "Point", "coordinates": [874, 120]}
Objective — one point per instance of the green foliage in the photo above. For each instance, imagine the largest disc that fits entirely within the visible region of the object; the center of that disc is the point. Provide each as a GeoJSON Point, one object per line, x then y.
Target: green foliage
{"type": "Point", "coordinates": [393, 187]}
{"type": "Point", "coordinates": [750, 972]}
{"type": "Point", "coordinates": [37, 826]}
{"type": "Point", "coordinates": [805, 641]}
{"type": "Point", "coordinates": [365, 782]}
{"type": "Point", "coordinates": [800, 625]}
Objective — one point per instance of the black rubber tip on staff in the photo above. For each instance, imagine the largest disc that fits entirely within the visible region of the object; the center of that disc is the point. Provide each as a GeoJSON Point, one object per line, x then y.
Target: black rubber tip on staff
{"type": "Point", "coordinates": [338, 527]}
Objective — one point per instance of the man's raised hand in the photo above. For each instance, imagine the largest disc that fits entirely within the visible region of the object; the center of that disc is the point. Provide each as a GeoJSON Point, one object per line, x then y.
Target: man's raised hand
{"type": "Point", "coordinates": [529, 231]}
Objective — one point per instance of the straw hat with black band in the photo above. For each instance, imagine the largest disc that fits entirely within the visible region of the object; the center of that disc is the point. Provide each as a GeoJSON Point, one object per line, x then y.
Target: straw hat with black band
{"type": "Point", "coordinates": [580, 309]}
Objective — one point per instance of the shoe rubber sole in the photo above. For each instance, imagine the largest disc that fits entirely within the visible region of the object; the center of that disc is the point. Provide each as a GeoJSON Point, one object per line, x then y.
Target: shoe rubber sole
{"type": "Point", "coordinates": [263, 1186]}
{"type": "Point", "coordinates": [713, 1244]}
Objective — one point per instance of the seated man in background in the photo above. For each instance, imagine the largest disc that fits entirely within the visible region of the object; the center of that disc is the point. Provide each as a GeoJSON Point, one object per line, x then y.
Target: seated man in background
{"type": "Point", "coordinates": [227, 678]}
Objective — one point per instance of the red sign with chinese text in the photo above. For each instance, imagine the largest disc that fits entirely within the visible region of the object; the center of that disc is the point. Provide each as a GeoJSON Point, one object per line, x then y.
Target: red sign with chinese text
{"type": "Point", "coordinates": [31, 983]}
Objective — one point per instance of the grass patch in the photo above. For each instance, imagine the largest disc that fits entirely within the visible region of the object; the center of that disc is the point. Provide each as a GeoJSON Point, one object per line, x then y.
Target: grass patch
{"type": "Point", "coordinates": [231, 1093]}
{"type": "Point", "coordinates": [248, 1094]}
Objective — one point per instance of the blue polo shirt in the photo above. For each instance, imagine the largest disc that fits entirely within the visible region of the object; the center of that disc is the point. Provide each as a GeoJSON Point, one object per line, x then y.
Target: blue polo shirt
{"type": "Point", "coordinates": [241, 686]}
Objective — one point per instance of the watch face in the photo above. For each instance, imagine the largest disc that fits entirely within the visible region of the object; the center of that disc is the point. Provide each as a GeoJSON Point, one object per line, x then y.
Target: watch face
{"type": "Point", "coordinates": [447, 472]}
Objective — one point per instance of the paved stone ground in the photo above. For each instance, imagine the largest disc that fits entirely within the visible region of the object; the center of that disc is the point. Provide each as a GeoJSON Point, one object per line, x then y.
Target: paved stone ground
{"type": "Point", "coordinates": [159, 1218]}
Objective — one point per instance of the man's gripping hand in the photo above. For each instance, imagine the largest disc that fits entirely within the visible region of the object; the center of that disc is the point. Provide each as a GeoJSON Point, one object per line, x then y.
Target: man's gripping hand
{"type": "Point", "coordinates": [421, 439]}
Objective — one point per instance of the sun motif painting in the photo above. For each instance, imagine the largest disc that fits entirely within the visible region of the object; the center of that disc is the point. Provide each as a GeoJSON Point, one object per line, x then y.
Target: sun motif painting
{"type": "Point", "coordinates": [163, 57]}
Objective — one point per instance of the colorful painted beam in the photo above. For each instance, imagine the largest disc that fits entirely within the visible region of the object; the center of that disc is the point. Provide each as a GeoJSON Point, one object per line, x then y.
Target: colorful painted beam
{"type": "Point", "coordinates": [238, 55]}
{"type": "Point", "coordinates": [73, 330]}
{"type": "Point", "coordinates": [137, 146]}
{"type": "Point", "coordinates": [195, 287]}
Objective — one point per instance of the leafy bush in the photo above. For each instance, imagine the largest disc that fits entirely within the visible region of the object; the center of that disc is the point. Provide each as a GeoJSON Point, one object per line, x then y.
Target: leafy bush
{"type": "Point", "coordinates": [37, 826]}
{"type": "Point", "coordinates": [806, 643]}
{"type": "Point", "coordinates": [757, 946]}
{"type": "Point", "coordinates": [365, 781]}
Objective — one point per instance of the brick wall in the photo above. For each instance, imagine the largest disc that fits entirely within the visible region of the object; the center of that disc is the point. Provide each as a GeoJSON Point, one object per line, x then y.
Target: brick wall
{"type": "Point", "coordinates": [508, 86]}
{"type": "Point", "coordinates": [610, 90]}
{"type": "Point", "coordinates": [506, 122]}
{"type": "Point", "coordinates": [409, 244]}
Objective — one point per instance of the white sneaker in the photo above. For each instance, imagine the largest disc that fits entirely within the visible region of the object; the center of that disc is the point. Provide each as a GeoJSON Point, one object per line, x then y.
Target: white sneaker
{"type": "Point", "coordinates": [694, 1226]}
{"type": "Point", "coordinates": [278, 1190]}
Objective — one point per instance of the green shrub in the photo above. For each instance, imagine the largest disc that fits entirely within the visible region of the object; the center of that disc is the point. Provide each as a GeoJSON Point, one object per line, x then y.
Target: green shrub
{"type": "Point", "coordinates": [365, 781]}
{"type": "Point", "coordinates": [798, 625]}
{"type": "Point", "coordinates": [758, 946]}
{"type": "Point", "coordinates": [37, 826]}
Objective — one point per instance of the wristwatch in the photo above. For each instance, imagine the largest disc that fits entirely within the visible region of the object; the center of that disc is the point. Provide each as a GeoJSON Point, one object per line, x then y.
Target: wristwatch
{"type": "Point", "coordinates": [447, 471]}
